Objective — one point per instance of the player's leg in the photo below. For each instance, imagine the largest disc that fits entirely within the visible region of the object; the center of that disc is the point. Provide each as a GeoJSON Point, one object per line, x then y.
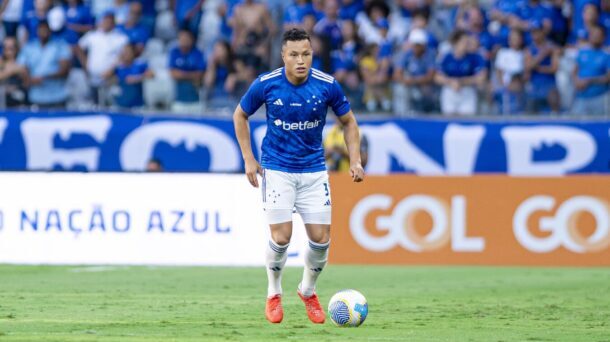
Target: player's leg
{"type": "Point", "coordinates": [314, 204]}
{"type": "Point", "coordinates": [276, 254]}
{"type": "Point", "coordinates": [316, 253]}
{"type": "Point", "coordinates": [278, 200]}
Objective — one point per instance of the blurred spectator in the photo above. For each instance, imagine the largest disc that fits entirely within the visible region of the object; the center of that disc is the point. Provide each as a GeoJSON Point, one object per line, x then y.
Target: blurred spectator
{"type": "Point", "coordinates": [187, 67]}
{"type": "Point", "coordinates": [99, 7]}
{"type": "Point", "coordinates": [154, 165]}
{"type": "Point", "coordinates": [252, 31]}
{"type": "Point", "coordinates": [604, 19]}
{"type": "Point", "coordinates": [11, 10]}
{"type": "Point", "coordinates": [591, 18]}
{"type": "Point", "coordinates": [459, 73]}
{"type": "Point", "coordinates": [375, 74]}
{"type": "Point", "coordinates": [121, 11]}
{"type": "Point", "coordinates": [345, 60]}
{"type": "Point", "coordinates": [578, 15]}
{"type": "Point", "coordinates": [34, 16]}
{"type": "Point", "coordinates": [420, 21]}
{"type": "Point", "coordinates": [321, 53]}
{"type": "Point", "coordinates": [472, 20]}
{"type": "Point", "coordinates": [559, 23]}
{"type": "Point", "coordinates": [134, 29]}
{"type": "Point", "coordinates": [47, 62]}
{"type": "Point", "coordinates": [502, 14]}
{"type": "Point", "coordinates": [130, 74]}
{"type": "Point", "coordinates": [188, 14]}
{"type": "Point", "coordinates": [510, 67]}
{"type": "Point", "coordinates": [78, 21]}
{"type": "Point", "coordinates": [416, 71]}
{"type": "Point", "coordinates": [149, 14]}
{"type": "Point", "coordinates": [335, 150]}
{"type": "Point", "coordinates": [99, 51]}
{"type": "Point", "coordinates": [591, 76]}
{"type": "Point", "coordinates": [328, 27]}
{"type": "Point", "coordinates": [541, 64]}
{"type": "Point", "coordinates": [294, 14]}
{"type": "Point", "coordinates": [12, 74]}
{"type": "Point", "coordinates": [349, 9]}
{"type": "Point", "coordinates": [220, 76]}
{"type": "Point", "coordinates": [529, 12]}
{"type": "Point", "coordinates": [409, 7]}
{"type": "Point", "coordinates": [374, 11]}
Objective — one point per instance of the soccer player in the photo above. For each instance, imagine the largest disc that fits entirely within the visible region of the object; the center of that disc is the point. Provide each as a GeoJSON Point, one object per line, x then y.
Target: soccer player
{"type": "Point", "coordinates": [292, 165]}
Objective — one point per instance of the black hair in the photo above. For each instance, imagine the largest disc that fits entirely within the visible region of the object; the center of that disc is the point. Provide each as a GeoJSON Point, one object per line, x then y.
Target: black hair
{"type": "Point", "coordinates": [456, 36]}
{"type": "Point", "coordinates": [43, 22]}
{"type": "Point", "coordinates": [294, 35]}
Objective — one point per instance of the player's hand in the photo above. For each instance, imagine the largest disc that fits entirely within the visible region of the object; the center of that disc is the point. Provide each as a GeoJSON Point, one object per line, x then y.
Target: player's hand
{"type": "Point", "coordinates": [252, 169]}
{"type": "Point", "coordinates": [357, 172]}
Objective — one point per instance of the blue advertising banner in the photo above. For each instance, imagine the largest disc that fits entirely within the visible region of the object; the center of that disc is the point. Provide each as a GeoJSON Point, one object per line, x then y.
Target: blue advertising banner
{"type": "Point", "coordinates": [117, 142]}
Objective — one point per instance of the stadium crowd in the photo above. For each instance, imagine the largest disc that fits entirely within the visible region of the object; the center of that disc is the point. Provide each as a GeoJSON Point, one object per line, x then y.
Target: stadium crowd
{"type": "Point", "coordinates": [456, 57]}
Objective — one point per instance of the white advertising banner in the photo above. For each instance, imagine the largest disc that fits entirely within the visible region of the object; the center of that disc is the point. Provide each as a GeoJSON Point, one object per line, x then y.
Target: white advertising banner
{"type": "Point", "coordinates": [144, 219]}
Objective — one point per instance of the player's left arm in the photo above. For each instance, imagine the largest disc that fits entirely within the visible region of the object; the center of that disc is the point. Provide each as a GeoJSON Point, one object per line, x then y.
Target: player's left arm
{"type": "Point", "coordinates": [352, 140]}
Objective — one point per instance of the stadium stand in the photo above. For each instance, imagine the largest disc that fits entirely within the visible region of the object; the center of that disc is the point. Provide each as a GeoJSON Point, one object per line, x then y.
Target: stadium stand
{"type": "Point", "coordinates": [541, 57]}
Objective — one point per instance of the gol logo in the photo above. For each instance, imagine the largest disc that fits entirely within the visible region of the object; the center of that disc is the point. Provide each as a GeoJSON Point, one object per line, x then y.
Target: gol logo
{"type": "Point", "coordinates": [562, 226]}
{"type": "Point", "coordinates": [448, 224]}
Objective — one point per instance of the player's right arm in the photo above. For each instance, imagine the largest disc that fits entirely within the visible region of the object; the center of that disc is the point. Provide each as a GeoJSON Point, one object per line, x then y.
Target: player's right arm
{"type": "Point", "coordinates": [250, 102]}
{"type": "Point", "coordinates": [242, 131]}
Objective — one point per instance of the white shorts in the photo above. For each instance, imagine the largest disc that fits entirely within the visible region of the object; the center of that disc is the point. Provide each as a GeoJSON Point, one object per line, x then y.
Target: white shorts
{"type": "Point", "coordinates": [462, 102]}
{"type": "Point", "coordinates": [308, 193]}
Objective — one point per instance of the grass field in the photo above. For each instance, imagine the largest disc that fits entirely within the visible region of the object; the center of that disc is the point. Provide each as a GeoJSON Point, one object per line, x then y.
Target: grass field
{"type": "Point", "coordinates": [405, 303]}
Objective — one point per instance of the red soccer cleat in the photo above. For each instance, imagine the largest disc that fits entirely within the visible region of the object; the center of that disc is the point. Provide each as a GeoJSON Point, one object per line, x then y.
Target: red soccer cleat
{"type": "Point", "coordinates": [273, 310]}
{"type": "Point", "coordinates": [313, 308]}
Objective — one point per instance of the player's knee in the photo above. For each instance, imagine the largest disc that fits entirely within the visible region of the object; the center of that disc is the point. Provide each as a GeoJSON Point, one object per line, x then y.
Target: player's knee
{"type": "Point", "coordinates": [280, 238]}
{"type": "Point", "coordinates": [319, 234]}
{"type": "Point", "coordinates": [321, 239]}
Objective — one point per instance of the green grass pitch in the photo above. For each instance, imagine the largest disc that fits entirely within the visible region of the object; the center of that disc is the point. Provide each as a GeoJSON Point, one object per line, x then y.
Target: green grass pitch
{"type": "Point", "coordinates": [207, 303]}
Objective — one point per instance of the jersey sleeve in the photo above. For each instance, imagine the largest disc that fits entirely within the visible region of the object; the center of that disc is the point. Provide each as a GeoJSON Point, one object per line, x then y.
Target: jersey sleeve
{"type": "Point", "coordinates": [254, 98]}
{"type": "Point", "coordinates": [337, 100]}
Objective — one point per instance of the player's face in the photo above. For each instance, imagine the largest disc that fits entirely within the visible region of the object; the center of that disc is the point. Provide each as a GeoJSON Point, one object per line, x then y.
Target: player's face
{"type": "Point", "coordinates": [297, 56]}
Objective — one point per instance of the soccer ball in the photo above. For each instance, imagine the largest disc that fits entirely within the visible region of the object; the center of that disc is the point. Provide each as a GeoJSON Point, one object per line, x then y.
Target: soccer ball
{"type": "Point", "coordinates": [348, 308]}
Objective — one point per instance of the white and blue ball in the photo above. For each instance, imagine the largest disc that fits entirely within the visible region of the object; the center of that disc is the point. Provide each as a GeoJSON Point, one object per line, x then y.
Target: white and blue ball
{"type": "Point", "coordinates": [348, 308]}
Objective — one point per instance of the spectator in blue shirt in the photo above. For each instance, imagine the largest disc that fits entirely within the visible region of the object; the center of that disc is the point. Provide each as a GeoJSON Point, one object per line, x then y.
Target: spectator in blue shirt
{"type": "Point", "coordinates": [134, 29]}
{"type": "Point", "coordinates": [188, 14]}
{"type": "Point", "coordinates": [350, 8]}
{"type": "Point", "coordinates": [221, 77]}
{"type": "Point", "coordinates": [130, 74]}
{"type": "Point", "coordinates": [47, 62]}
{"type": "Point", "coordinates": [541, 64]}
{"type": "Point", "coordinates": [78, 21]}
{"type": "Point", "coordinates": [345, 60]}
{"type": "Point", "coordinates": [559, 23]}
{"type": "Point", "coordinates": [409, 7]}
{"type": "Point", "coordinates": [328, 27]}
{"type": "Point", "coordinates": [295, 13]}
{"type": "Point", "coordinates": [187, 68]}
{"type": "Point", "coordinates": [578, 22]}
{"type": "Point", "coordinates": [34, 16]}
{"type": "Point", "coordinates": [591, 19]}
{"type": "Point", "coordinates": [149, 14]}
{"type": "Point", "coordinates": [416, 71]}
{"type": "Point", "coordinates": [502, 12]}
{"type": "Point", "coordinates": [459, 73]}
{"type": "Point", "coordinates": [529, 12]}
{"type": "Point", "coordinates": [592, 75]}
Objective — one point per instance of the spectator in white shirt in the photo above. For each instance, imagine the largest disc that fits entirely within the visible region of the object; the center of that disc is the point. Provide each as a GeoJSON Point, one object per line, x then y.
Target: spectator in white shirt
{"type": "Point", "coordinates": [99, 51]}
{"type": "Point", "coordinates": [10, 10]}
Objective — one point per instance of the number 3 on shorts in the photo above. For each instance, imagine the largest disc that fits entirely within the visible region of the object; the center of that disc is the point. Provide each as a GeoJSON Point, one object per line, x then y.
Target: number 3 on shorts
{"type": "Point", "coordinates": [326, 189]}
